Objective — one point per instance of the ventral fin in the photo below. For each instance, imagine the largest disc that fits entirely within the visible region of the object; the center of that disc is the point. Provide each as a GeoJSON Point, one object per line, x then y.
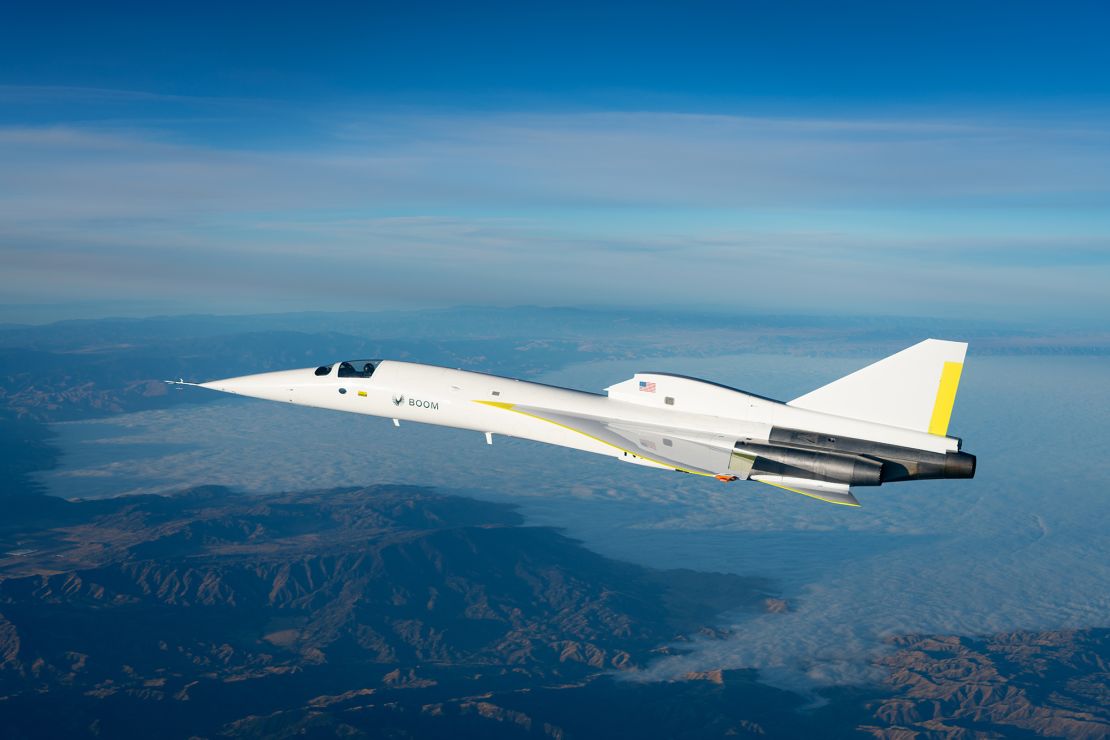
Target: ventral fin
{"type": "Point", "coordinates": [833, 493]}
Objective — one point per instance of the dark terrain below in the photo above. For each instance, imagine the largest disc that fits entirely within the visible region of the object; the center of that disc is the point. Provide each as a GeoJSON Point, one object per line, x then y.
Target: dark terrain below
{"type": "Point", "coordinates": [401, 612]}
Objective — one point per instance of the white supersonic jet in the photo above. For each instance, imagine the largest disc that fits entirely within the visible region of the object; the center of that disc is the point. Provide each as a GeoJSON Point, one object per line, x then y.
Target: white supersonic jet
{"type": "Point", "coordinates": [887, 422]}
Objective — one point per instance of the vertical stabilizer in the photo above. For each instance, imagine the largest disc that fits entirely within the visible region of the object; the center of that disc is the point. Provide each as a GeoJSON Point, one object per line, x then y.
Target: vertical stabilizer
{"type": "Point", "coordinates": [913, 389]}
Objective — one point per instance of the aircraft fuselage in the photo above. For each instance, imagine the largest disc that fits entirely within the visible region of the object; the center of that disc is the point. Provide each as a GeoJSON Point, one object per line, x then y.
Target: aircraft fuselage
{"type": "Point", "coordinates": [656, 419]}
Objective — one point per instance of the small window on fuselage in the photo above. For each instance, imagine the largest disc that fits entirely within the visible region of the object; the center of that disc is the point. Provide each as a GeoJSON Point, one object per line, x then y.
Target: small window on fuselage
{"type": "Point", "coordinates": [356, 369]}
{"type": "Point", "coordinates": [323, 370]}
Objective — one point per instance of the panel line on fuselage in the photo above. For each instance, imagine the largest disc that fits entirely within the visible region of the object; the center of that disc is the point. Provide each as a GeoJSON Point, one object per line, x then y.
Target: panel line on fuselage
{"type": "Point", "coordinates": [512, 407]}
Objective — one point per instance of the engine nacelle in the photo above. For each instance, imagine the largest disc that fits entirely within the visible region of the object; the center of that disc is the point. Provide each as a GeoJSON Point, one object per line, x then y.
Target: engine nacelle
{"type": "Point", "coordinates": [814, 465]}
{"type": "Point", "coordinates": [897, 463]}
{"type": "Point", "coordinates": [949, 465]}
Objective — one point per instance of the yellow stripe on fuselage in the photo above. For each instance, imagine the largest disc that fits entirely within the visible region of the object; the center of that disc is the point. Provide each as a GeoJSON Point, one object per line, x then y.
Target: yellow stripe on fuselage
{"type": "Point", "coordinates": [807, 493]}
{"type": "Point", "coordinates": [512, 407]}
{"type": "Point", "coordinates": [946, 398]}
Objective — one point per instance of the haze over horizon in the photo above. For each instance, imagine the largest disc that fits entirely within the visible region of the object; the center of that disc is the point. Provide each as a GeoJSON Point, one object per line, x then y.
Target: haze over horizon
{"type": "Point", "coordinates": [944, 161]}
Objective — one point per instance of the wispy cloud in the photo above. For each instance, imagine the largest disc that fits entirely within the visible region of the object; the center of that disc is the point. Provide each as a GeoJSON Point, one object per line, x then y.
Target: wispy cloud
{"type": "Point", "coordinates": [787, 213]}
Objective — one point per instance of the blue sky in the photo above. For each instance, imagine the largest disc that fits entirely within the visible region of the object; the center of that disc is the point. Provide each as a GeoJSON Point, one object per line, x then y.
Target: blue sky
{"type": "Point", "coordinates": [939, 159]}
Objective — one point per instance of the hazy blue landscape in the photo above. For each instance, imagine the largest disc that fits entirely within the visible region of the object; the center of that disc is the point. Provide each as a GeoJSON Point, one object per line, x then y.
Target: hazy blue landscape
{"type": "Point", "coordinates": [1019, 547]}
{"type": "Point", "coordinates": [767, 196]}
{"type": "Point", "coordinates": [825, 599]}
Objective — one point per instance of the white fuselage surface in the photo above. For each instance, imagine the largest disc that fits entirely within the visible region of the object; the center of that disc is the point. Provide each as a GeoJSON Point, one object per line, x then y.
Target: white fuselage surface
{"type": "Point", "coordinates": [656, 419]}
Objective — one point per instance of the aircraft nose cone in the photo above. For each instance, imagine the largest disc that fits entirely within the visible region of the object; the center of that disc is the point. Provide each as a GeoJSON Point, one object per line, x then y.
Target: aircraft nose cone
{"type": "Point", "coordinates": [228, 385]}
{"type": "Point", "coordinates": [260, 385]}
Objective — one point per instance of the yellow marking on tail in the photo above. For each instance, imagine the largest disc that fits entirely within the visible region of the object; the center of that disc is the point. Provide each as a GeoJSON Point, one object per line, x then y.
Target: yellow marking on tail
{"type": "Point", "coordinates": [946, 398]}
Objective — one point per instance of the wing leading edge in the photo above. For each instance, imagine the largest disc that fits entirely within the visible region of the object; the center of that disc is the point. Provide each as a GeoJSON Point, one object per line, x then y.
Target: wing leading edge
{"type": "Point", "coordinates": [655, 445]}
{"type": "Point", "coordinates": [681, 450]}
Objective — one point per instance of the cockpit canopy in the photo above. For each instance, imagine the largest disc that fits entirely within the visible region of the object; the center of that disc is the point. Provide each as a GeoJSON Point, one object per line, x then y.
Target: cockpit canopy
{"type": "Point", "coordinates": [356, 368]}
{"type": "Point", "coordinates": [351, 368]}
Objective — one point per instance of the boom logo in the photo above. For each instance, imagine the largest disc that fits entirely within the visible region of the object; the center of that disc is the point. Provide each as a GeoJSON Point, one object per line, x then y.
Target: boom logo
{"type": "Point", "coordinates": [886, 423]}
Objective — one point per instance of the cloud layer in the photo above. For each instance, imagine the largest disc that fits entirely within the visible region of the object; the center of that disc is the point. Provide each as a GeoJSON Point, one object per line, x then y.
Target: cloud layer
{"type": "Point", "coordinates": [357, 209]}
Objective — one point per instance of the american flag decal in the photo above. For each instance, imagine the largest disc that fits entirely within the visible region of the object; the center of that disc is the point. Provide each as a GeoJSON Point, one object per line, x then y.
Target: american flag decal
{"type": "Point", "coordinates": [647, 387]}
